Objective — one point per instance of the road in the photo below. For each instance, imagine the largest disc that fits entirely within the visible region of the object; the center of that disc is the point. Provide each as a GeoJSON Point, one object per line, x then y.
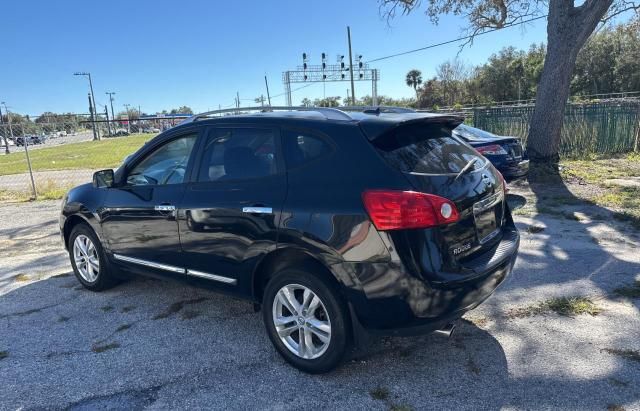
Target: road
{"type": "Point", "coordinates": [149, 344]}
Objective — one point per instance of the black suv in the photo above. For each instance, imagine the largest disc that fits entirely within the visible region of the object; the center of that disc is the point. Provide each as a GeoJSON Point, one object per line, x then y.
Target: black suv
{"type": "Point", "coordinates": [334, 224]}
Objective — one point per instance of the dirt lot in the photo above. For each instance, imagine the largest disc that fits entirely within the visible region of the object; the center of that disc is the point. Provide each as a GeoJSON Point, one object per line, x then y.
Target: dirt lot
{"type": "Point", "coordinates": [151, 344]}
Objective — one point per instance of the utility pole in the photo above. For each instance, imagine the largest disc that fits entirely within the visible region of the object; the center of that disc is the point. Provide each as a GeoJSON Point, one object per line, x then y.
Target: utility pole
{"type": "Point", "coordinates": [353, 89]}
{"type": "Point", "coordinates": [106, 113]}
{"type": "Point", "coordinates": [113, 116]}
{"type": "Point", "coordinates": [128, 118]}
{"type": "Point", "coordinates": [4, 135]}
{"type": "Point", "coordinates": [266, 83]}
{"type": "Point", "coordinates": [96, 132]}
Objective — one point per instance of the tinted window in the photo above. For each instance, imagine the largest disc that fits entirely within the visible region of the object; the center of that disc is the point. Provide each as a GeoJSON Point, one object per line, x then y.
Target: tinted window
{"type": "Point", "coordinates": [165, 165]}
{"type": "Point", "coordinates": [300, 148]}
{"type": "Point", "coordinates": [429, 150]}
{"type": "Point", "coordinates": [238, 153]}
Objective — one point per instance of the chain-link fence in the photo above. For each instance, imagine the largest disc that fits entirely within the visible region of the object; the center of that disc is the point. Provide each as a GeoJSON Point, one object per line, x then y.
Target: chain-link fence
{"type": "Point", "coordinates": [61, 151]}
{"type": "Point", "coordinates": [594, 128]}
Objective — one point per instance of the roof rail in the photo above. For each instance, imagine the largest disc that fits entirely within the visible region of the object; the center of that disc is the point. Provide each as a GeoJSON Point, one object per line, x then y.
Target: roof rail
{"type": "Point", "coordinates": [377, 109]}
{"type": "Point", "coordinates": [329, 113]}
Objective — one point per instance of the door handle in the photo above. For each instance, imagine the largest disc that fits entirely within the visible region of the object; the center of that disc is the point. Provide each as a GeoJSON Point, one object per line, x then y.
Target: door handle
{"type": "Point", "coordinates": [165, 207]}
{"type": "Point", "coordinates": [257, 210]}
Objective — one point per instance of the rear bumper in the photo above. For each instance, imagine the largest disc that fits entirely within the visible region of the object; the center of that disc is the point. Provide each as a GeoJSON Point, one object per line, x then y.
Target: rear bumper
{"type": "Point", "coordinates": [391, 301]}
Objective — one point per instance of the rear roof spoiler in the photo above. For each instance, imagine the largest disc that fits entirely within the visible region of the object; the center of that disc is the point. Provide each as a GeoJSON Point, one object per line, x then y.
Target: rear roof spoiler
{"type": "Point", "coordinates": [376, 127]}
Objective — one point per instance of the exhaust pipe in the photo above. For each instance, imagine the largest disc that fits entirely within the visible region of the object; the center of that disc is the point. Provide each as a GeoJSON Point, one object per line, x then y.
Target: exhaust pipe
{"type": "Point", "coordinates": [446, 331]}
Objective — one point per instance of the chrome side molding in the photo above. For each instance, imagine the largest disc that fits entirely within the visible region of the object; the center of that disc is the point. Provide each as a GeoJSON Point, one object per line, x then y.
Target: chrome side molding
{"type": "Point", "coordinates": [151, 264]}
{"type": "Point", "coordinates": [213, 277]}
{"type": "Point", "coordinates": [175, 269]}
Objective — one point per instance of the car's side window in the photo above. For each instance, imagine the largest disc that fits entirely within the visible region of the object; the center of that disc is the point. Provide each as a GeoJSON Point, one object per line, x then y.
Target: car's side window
{"type": "Point", "coordinates": [238, 154]}
{"type": "Point", "coordinates": [300, 148]}
{"type": "Point", "coordinates": [165, 165]}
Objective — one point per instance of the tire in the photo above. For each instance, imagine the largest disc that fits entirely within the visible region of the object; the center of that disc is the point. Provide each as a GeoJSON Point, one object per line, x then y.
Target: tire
{"type": "Point", "coordinates": [329, 313]}
{"type": "Point", "coordinates": [91, 277]}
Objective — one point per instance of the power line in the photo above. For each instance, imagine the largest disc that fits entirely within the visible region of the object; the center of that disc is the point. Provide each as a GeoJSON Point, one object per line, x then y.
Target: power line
{"type": "Point", "coordinates": [456, 40]}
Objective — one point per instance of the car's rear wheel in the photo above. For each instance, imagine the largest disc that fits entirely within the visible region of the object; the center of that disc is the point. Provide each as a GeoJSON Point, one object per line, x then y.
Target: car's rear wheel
{"type": "Point", "coordinates": [307, 320]}
{"type": "Point", "coordinates": [88, 259]}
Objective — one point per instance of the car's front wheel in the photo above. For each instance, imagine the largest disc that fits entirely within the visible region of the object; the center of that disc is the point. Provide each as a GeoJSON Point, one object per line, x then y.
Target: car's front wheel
{"type": "Point", "coordinates": [88, 259]}
{"type": "Point", "coordinates": [306, 320]}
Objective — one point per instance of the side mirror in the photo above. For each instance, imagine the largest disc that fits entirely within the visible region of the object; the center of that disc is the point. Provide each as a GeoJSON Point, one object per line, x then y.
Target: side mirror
{"type": "Point", "coordinates": [103, 178]}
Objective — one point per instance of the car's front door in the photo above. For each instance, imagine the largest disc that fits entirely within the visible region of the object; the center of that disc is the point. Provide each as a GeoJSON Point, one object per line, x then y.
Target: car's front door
{"type": "Point", "coordinates": [139, 216]}
{"type": "Point", "coordinates": [230, 213]}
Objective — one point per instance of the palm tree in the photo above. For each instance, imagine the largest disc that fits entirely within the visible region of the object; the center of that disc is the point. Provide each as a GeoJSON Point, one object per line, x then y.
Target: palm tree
{"type": "Point", "coordinates": [414, 79]}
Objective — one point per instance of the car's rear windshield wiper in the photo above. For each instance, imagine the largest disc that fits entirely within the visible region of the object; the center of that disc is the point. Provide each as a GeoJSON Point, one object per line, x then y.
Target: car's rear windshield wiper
{"type": "Point", "coordinates": [467, 167]}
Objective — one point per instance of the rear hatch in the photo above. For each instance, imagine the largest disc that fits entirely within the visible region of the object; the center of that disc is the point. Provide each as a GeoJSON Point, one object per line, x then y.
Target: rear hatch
{"type": "Point", "coordinates": [433, 160]}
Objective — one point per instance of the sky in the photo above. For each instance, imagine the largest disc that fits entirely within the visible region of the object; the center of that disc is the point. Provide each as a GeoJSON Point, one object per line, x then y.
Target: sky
{"type": "Point", "coordinates": [164, 54]}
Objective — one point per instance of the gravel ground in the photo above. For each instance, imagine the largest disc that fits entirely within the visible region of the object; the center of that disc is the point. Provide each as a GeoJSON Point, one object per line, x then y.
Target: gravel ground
{"type": "Point", "coordinates": [158, 345]}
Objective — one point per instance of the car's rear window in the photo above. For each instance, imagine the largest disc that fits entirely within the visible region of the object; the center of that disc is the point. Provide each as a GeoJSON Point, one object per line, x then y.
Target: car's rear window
{"type": "Point", "coordinates": [430, 150]}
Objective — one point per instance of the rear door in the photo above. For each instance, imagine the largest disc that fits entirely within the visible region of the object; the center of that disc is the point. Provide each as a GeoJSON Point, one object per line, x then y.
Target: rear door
{"type": "Point", "coordinates": [230, 213]}
{"type": "Point", "coordinates": [139, 217]}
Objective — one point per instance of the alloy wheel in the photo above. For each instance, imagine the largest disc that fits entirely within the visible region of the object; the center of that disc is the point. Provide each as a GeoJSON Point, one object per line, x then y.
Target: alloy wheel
{"type": "Point", "coordinates": [301, 321]}
{"type": "Point", "coordinates": [86, 258]}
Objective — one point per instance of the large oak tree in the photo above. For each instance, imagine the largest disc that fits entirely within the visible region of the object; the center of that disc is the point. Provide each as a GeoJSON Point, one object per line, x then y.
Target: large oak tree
{"type": "Point", "coordinates": [569, 25]}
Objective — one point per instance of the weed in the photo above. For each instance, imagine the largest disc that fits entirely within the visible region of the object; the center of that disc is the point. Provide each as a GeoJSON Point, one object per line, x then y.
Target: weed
{"type": "Point", "coordinates": [107, 308]}
{"type": "Point", "coordinates": [4, 354]}
{"type": "Point", "coordinates": [567, 306]}
{"type": "Point", "coordinates": [400, 407]}
{"type": "Point", "coordinates": [21, 278]}
{"type": "Point", "coordinates": [63, 319]}
{"type": "Point", "coordinates": [128, 308]}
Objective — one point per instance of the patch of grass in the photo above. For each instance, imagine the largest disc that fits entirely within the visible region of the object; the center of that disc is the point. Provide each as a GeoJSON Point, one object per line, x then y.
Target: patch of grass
{"type": "Point", "coordinates": [628, 354]}
{"type": "Point", "coordinates": [89, 154]}
{"type": "Point", "coordinates": [4, 354]}
{"type": "Point", "coordinates": [567, 306]}
{"type": "Point", "coordinates": [629, 291]}
{"type": "Point", "coordinates": [532, 229]}
{"type": "Point", "coordinates": [107, 308]}
{"type": "Point", "coordinates": [21, 278]}
{"type": "Point", "coordinates": [176, 307]}
{"type": "Point", "coordinates": [123, 327]}
{"type": "Point", "coordinates": [50, 190]}
{"type": "Point", "coordinates": [127, 308]}
{"type": "Point", "coordinates": [106, 347]}
{"type": "Point", "coordinates": [379, 393]}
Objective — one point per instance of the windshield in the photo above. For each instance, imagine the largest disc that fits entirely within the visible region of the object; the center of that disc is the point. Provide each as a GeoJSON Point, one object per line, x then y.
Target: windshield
{"type": "Point", "coordinates": [472, 133]}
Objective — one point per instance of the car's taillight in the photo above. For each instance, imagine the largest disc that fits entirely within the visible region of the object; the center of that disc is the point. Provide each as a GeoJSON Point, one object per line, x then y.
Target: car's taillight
{"type": "Point", "coordinates": [493, 149]}
{"type": "Point", "coordinates": [395, 210]}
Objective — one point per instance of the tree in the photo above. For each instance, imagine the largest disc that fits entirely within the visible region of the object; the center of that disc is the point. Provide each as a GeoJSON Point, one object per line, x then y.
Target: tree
{"type": "Point", "coordinates": [306, 102]}
{"type": "Point", "coordinates": [181, 110]}
{"type": "Point", "coordinates": [452, 75]}
{"type": "Point", "coordinates": [414, 79]}
{"type": "Point", "coordinates": [327, 102]}
{"type": "Point", "coordinates": [568, 28]}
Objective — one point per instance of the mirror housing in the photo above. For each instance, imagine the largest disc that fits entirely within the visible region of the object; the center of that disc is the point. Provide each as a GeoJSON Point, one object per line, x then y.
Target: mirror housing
{"type": "Point", "coordinates": [103, 179]}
